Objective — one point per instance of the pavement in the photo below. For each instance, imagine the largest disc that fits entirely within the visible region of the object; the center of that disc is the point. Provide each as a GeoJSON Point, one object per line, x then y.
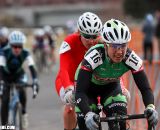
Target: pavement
{"type": "Point", "coordinates": [45, 112]}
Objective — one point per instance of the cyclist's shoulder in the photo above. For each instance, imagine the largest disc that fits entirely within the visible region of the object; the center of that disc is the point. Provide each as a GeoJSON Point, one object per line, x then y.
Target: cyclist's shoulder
{"type": "Point", "coordinates": [6, 51]}
{"type": "Point", "coordinates": [70, 43]}
{"type": "Point", "coordinates": [25, 52]}
{"type": "Point", "coordinates": [98, 48]}
{"type": "Point", "coordinates": [133, 60]}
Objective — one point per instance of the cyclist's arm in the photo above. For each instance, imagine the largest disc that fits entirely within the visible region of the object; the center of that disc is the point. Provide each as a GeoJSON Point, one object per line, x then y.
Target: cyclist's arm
{"type": "Point", "coordinates": [2, 64]}
{"type": "Point", "coordinates": [136, 65]}
{"type": "Point", "coordinates": [144, 87]}
{"type": "Point", "coordinates": [66, 60]}
{"type": "Point", "coordinates": [31, 65]}
{"type": "Point", "coordinates": [82, 85]}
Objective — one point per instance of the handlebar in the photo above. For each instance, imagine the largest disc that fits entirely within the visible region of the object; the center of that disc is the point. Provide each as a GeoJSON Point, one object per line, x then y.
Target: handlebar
{"type": "Point", "coordinates": [119, 118]}
{"type": "Point", "coordinates": [122, 117]}
{"type": "Point", "coordinates": [19, 85]}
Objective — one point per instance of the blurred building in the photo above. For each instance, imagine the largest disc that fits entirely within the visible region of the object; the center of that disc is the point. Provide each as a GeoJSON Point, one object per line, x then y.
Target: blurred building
{"type": "Point", "coordinates": [56, 12]}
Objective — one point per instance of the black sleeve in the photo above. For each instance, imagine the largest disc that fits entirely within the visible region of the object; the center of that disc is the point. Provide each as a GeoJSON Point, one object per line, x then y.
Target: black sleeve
{"type": "Point", "coordinates": [33, 72]}
{"type": "Point", "coordinates": [1, 73]}
{"type": "Point", "coordinates": [144, 87]}
{"type": "Point", "coordinates": [83, 83]}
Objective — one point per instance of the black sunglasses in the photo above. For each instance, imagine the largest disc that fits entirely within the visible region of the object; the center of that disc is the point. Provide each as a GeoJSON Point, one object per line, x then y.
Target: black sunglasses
{"type": "Point", "coordinates": [86, 36]}
{"type": "Point", "coordinates": [16, 46]}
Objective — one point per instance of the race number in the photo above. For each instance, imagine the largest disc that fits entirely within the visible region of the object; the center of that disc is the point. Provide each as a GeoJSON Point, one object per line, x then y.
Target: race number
{"type": "Point", "coordinates": [134, 61]}
{"type": "Point", "coordinates": [94, 58]}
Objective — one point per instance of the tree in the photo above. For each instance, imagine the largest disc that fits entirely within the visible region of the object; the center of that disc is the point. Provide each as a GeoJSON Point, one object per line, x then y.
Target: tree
{"type": "Point", "coordinates": [136, 8]}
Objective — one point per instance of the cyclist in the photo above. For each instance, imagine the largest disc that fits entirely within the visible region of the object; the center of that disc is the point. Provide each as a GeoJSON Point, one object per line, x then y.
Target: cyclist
{"type": "Point", "coordinates": [38, 39]}
{"type": "Point", "coordinates": [4, 37]}
{"type": "Point", "coordinates": [71, 52]}
{"type": "Point", "coordinates": [99, 73]}
{"type": "Point", "coordinates": [49, 41]}
{"type": "Point", "coordinates": [39, 49]}
{"type": "Point", "coordinates": [11, 71]}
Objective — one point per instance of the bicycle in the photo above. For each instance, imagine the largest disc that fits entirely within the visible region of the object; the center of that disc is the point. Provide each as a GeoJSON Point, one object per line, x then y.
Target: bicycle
{"type": "Point", "coordinates": [117, 118]}
{"type": "Point", "coordinates": [15, 108]}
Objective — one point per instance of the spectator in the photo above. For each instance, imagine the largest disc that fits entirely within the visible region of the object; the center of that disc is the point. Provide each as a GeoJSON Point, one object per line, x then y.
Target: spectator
{"type": "Point", "coordinates": [148, 31]}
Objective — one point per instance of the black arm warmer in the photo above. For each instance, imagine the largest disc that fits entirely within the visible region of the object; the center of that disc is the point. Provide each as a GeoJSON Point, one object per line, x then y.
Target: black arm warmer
{"type": "Point", "coordinates": [1, 72]}
{"type": "Point", "coordinates": [33, 72]}
{"type": "Point", "coordinates": [83, 83]}
{"type": "Point", "coordinates": [144, 87]}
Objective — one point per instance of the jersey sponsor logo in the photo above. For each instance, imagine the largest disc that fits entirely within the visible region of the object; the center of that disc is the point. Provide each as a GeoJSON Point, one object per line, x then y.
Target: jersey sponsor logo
{"type": "Point", "coordinates": [105, 79]}
{"type": "Point", "coordinates": [94, 58]}
{"type": "Point", "coordinates": [134, 61]}
{"type": "Point", "coordinates": [64, 47]}
{"type": "Point", "coordinates": [117, 104]}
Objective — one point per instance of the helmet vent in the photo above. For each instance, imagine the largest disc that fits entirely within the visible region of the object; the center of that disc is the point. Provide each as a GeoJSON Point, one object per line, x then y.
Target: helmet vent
{"type": "Point", "coordinates": [89, 24]}
{"type": "Point", "coordinates": [95, 24]}
{"type": "Point", "coordinates": [105, 37]}
{"type": "Point", "coordinates": [108, 25]}
{"type": "Point", "coordinates": [126, 35]}
{"type": "Point", "coordinates": [88, 18]}
{"type": "Point", "coordinates": [80, 28]}
{"type": "Point", "coordinates": [116, 33]}
{"type": "Point", "coordinates": [84, 24]}
{"type": "Point", "coordinates": [115, 22]}
{"type": "Point", "coordinates": [110, 34]}
{"type": "Point", "coordinates": [87, 31]}
{"type": "Point", "coordinates": [123, 24]}
{"type": "Point", "coordinates": [122, 32]}
{"type": "Point", "coordinates": [99, 26]}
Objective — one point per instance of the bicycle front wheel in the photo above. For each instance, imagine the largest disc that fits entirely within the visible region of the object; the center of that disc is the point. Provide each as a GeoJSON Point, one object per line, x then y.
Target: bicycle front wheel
{"type": "Point", "coordinates": [18, 117]}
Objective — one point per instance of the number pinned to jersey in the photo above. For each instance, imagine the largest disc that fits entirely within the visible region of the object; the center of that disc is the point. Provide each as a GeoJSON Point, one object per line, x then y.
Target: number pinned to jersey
{"type": "Point", "coordinates": [94, 58]}
{"type": "Point", "coordinates": [64, 47]}
{"type": "Point", "coordinates": [134, 61]}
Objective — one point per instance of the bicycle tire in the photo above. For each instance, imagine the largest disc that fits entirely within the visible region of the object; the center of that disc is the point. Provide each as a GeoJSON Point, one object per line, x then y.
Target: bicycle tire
{"type": "Point", "coordinates": [18, 116]}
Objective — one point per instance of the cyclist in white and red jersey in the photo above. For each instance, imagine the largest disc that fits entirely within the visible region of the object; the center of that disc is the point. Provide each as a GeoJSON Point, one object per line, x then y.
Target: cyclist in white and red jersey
{"type": "Point", "coordinates": [72, 52]}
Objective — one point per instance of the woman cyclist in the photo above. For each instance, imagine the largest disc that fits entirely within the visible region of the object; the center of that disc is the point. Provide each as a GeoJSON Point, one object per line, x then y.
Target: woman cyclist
{"type": "Point", "coordinates": [99, 74]}
{"type": "Point", "coordinates": [11, 71]}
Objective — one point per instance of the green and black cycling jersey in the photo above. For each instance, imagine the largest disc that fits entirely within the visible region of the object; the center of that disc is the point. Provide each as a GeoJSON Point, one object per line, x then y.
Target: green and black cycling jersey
{"type": "Point", "coordinates": [97, 68]}
{"type": "Point", "coordinates": [11, 66]}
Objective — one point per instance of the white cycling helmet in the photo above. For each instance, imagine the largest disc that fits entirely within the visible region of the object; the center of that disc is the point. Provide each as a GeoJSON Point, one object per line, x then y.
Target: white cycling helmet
{"type": "Point", "coordinates": [115, 32]}
{"type": "Point", "coordinates": [39, 32]}
{"type": "Point", "coordinates": [16, 38]}
{"type": "Point", "coordinates": [4, 32]}
{"type": "Point", "coordinates": [89, 23]}
{"type": "Point", "coordinates": [48, 29]}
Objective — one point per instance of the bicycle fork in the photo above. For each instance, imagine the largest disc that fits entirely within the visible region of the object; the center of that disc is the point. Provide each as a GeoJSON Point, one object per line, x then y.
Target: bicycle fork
{"type": "Point", "coordinates": [12, 106]}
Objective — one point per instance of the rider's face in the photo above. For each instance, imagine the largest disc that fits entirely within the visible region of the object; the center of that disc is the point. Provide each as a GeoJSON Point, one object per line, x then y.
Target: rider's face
{"type": "Point", "coordinates": [88, 40]}
{"type": "Point", "coordinates": [116, 52]}
{"type": "Point", "coordinates": [16, 49]}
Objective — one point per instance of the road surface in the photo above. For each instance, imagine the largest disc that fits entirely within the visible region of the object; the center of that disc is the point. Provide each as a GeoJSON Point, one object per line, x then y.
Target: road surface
{"type": "Point", "coordinates": [45, 112]}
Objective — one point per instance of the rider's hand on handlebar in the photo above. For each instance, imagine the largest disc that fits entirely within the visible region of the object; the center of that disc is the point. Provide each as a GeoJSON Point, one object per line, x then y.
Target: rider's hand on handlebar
{"type": "Point", "coordinates": [152, 115]}
{"type": "Point", "coordinates": [90, 121]}
{"type": "Point", "coordinates": [69, 95]}
{"type": "Point", "coordinates": [35, 86]}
